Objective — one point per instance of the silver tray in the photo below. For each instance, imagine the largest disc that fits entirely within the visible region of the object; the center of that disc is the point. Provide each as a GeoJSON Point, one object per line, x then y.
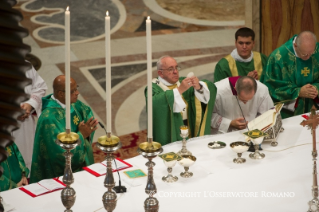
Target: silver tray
{"type": "Point", "coordinates": [222, 145]}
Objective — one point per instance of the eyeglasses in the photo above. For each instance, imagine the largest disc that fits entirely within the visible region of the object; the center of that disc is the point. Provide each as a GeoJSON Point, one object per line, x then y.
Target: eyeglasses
{"type": "Point", "coordinates": [73, 91]}
{"type": "Point", "coordinates": [171, 69]}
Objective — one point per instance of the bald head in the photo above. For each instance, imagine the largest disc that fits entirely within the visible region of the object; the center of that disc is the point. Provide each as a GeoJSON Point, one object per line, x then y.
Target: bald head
{"type": "Point", "coordinates": [246, 88]}
{"type": "Point", "coordinates": [305, 44]}
{"type": "Point", "coordinates": [59, 89]}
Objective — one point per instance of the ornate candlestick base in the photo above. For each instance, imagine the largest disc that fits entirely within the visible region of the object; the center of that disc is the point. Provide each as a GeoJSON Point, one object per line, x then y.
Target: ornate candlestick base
{"type": "Point", "coordinates": [150, 150]}
{"type": "Point", "coordinates": [257, 154]}
{"type": "Point", "coordinates": [109, 144]}
{"type": "Point", "coordinates": [313, 205]}
{"type": "Point", "coordinates": [187, 161]}
{"type": "Point", "coordinates": [68, 142]}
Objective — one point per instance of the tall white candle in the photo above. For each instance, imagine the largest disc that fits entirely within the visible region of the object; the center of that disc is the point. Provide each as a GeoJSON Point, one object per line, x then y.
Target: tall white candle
{"type": "Point", "coordinates": [67, 71]}
{"type": "Point", "coordinates": [149, 78]}
{"type": "Point", "coordinates": [108, 72]}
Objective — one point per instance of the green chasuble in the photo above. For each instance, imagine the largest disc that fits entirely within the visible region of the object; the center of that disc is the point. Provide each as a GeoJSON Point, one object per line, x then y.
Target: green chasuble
{"type": "Point", "coordinates": [13, 168]}
{"type": "Point", "coordinates": [166, 123]}
{"type": "Point", "coordinates": [48, 160]}
{"type": "Point", "coordinates": [285, 74]}
{"type": "Point", "coordinates": [229, 67]}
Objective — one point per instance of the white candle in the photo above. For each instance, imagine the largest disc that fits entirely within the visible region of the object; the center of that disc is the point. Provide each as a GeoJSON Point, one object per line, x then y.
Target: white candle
{"type": "Point", "coordinates": [108, 72]}
{"type": "Point", "coordinates": [67, 71]}
{"type": "Point", "coordinates": [149, 78]}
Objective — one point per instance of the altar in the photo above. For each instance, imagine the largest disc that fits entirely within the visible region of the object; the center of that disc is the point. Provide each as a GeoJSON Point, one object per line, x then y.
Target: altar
{"type": "Point", "coordinates": [280, 182]}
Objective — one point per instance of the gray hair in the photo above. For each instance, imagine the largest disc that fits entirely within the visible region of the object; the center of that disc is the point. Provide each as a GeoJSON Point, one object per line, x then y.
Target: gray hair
{"type": "Point", "coordinates": [246, 84]}
{"type": "Point", "coordinates": [300, 37]}
{"type": "Point", "coordinates": [159, 63]}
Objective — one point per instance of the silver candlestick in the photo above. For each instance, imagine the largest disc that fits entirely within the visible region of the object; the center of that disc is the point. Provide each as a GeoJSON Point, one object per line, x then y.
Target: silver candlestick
{"type": "Point", "coordinates": [68, 141]}
{"type": "Point", "coordinates": [184, 134]}
{"type": "Point", "coordinates": [312, 124]}
{"type": "Point", "coordinates": [109, 144]}
{"type": "Point", "coordinates": [150, 150]}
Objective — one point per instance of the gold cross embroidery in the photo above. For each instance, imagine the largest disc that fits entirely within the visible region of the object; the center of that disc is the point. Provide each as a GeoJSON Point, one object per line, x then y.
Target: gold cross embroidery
{"type": "Point", "coordinates": [9, 151]}
{"type": "Point", "coordinates": [305, 71]}
{"type": "Point", "coordinates": [76, 120]}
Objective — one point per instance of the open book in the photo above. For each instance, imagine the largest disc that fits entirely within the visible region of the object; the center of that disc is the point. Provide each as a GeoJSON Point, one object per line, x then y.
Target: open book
{"type": "Point", "coordinates": [99, 169]}
{"type": "Point", "coordinates": [266, 120]}
{"type": "Point", "coordinates": [43, 187]}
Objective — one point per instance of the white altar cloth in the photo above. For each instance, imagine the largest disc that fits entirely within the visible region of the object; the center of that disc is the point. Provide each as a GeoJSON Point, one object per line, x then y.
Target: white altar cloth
{"type": "Point", "coordinates": [280, 182]}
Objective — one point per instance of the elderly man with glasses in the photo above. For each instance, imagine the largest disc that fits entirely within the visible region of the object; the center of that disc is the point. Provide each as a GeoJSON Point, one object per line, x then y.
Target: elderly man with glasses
{"type": "Point", "coordinates": [179, 101]}
{"type": "Point", "coordinates": [48, 160]}
{"type": "Point", "coordinates": [292, 74]}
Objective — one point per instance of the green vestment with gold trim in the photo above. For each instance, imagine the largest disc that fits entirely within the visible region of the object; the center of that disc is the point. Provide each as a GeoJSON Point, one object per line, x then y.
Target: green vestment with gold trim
{"type": "Point", "coordinates": [48, 160]}
{"type": "Point", "coordinates": [229, 67]}
{"type": "Point", "coordinates": [166, 123]}
{"type": "Point", "coordinates": [13, 168]}
{"type": "Point", "coordinates": [285, 74]}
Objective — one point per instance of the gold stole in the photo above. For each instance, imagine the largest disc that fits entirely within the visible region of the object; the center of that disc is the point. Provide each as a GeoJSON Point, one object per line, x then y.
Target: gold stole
{"type": "Point", "coordinates": [198, 107]}
{"type": "Point", "coordinates": [233, 67]}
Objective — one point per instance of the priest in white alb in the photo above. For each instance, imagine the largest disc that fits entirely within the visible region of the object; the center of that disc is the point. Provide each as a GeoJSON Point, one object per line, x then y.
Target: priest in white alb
{"type": "Point", "coordinates": [24, 136]}
{"type": "Point", "coordinates": [239, 100]}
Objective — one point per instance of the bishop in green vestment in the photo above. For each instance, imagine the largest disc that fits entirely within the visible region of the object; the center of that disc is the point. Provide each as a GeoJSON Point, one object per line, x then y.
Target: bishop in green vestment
{"type": "Point", "coordinates": [242, 61]}
{"type": "Point", "coordinates": [292, 74]}
{"type": "Point", "coordinates": [14, 170]}
{"type": "Point", "coordinates": [176, 100]}
{"type": "Point", "coordinates": [48, 160]}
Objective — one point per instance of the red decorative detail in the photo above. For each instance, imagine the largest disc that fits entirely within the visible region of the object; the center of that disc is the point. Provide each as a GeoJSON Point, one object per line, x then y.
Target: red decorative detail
{"type": "Point", "coordinates": [130, 144]}
{"type": "Point", "coordinates": [305, 116]}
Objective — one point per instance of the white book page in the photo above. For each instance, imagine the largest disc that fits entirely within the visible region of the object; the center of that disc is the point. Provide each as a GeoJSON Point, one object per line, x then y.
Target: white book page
{"type": "Point", "coordinates": [50, 184]}
{"type": "Point", "coordinates": [98, 168]}
{"type": "Point", "coordinates": [36, 189]}
{"type": "Point", "coordinates": [262, 121]}
{"type": "Point", "coordinates": [119, 164]}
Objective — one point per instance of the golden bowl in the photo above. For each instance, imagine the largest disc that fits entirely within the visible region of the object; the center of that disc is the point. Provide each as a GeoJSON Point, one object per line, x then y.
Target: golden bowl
{"type": "Point", "coordinates": [150, 147]}
{"type": "Point", "coordinates": [108, 142]}
{"type": "Point", "coordinates": [68, 138]}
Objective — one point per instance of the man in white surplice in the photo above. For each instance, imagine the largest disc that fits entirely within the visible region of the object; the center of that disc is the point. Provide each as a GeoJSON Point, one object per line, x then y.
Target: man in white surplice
{"type": "Point", "coordinates": [235, 94]}
{"type": "Point", "coordinates": [24, 136]}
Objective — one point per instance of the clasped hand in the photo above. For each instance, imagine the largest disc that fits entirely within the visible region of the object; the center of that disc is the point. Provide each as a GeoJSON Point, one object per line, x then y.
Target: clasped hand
{"type": "Point", "coordinates": [187, 83]}
{"type": "Point", "coordinates": [253, 74]}
{"type": "Point", "coordinates": [88, 127]}
{"type": "Point", "coordinates": [308, 91]}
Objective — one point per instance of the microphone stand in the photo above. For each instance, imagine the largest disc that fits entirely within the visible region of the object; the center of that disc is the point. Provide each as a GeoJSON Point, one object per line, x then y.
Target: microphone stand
{"type": "Point", "coordinates": [119, 188]}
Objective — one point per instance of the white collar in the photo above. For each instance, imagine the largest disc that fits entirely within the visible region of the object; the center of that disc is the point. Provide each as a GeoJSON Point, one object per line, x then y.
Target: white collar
{"type": "Point", "coordinates": [164, 81]}
{"type": "Point", "coordinates": [237, 57]}
{"type": "Point", "coordinates": [60, 103]}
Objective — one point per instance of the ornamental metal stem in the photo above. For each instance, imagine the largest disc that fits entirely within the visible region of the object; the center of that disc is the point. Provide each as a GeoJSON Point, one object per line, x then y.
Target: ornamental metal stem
{"type": "Point", "coordinates": [109, 144]}
{"type": "Point", "coordinates": [109, 198]}
{"type": "Point", "coordinates": [312, 124]}
{"type": "Point", "coordinates": [151, 204]}
{"type": "Point", "coordinates": [68, 194]}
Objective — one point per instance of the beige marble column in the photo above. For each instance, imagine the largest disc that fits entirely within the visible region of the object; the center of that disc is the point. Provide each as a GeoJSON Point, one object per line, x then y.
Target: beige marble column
{"type": "Point", "coordinates": [252, 19]}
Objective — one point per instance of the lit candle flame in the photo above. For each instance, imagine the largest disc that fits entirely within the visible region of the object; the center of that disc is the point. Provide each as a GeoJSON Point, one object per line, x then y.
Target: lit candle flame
{"type": "Point", "coordinates": [67, 9]}
{"type": "Point", "coordinates": [148, 18]}
{"type": "Point", "coordinates": [107, 13]}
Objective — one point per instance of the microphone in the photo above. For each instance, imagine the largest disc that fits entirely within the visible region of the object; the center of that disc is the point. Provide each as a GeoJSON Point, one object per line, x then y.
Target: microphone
{"type": "Point", "coordinates": [119, 188]}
